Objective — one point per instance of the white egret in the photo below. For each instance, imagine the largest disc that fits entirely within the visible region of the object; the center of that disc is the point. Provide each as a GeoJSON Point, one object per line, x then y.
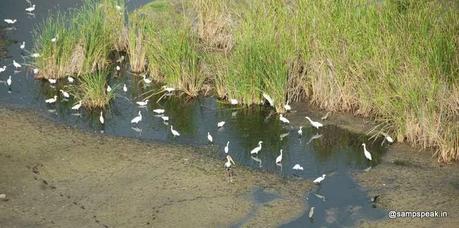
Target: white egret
{"type": "Point", "coordinates": [311, 212]}
{"type": "Point", "coordinates": [9, 81]}
{"type": "Point", "coordinates": [101, 118]}
{"type": "Point", "coordinates": [109, 89]}
{"type": "Point", "coordinates": [319, 179]}
{"type": "Point", "coordinates": [221, 124]}
{"type": "Point", "coordinates": [227, 147]}
{"type": "Point", "coordinates": [54, 39]}
{"type": "Point", "coordinates": [118, 68]}
{"type": "Point", "coordinates": [2, 69]}
{"type": "Point", "coordinates": [22, 45]}
{"type": "Point", "coordinates": [51, 100]}
{"type": "Point", "coordinates": [279, 158]}
{"type": "Point", "coordinates": [137, 119]}
{"type": "Point", "coordinates": [146, 80]}
{"type": "Point", "coordinates": [52, 81]}
{"type": "Point", "coordinates": [282, 136]}
{"type": "Point", "coordinates": [300, 131]}
{"type": "Point", "coordinates": [77, 106]}
{"type": "Point", "coordinates": [228, 163]}
{"type": "Point", "coordinates": [287, 107]}
{"type": "Point", "coordinates": [168, 89]}
{"type": "Point", "coordinates": [124, 88]}
{"type": "Point", "coordinates": [120, 60]}
{"type": "Point", "coordinates": [297, 167]}
{"type": "Point", "coordinates": [387, 137]}
{"type": "Point", "coordinates": [233, 101]}
{"type": "Point", "coordinates": [283, 119]}
{"type": "Point", "coordinates": [314, 123]}
{"type": "Point", "coordinates": [366, 152]}
{"type": "Point", "coordinates": [174, 132]}
{"type": "Point", "coordinates": [35, 55]}
{"type": "Point", "coordinates": [165, 118]}
{"type": "Point", "coordinates": [70, 79]}
{"type": "Point", "coordinates": [256, 149]}
{"type": "Point", "coordinates": [16, 64]}
{"type": "Point", "coordinates": [326, 116]}
{"type": "Point", "coordinates": [36, 70]}
{"type": "Point", "coordinates": [64, 93]}
{"type": "Point", "coordinates": [158, 111]}
{"type": "Point", "coordinates": [269, 99]}
{"type": "Point", "coordinates": [316, 136]}
{"type": "Point", "coordinates": [10, 21]}
{"type": "Point", "coordinates": [30, 9]}
{"type": "Point", "coordinates": [209, 137]}
{"type": "Point", "coordinates": [142, 103]}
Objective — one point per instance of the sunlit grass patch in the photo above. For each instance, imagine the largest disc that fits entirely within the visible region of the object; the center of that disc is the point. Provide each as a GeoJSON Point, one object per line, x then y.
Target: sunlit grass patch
{"type": "Point", "coordinates": [92, 90]}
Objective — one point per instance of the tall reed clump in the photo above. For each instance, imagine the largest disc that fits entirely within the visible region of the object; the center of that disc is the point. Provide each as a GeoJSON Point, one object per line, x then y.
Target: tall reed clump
{"type": "Point", "coordinates": [79, 42]}
{"type": "Point", "coordinates": [139, 28]}
{"type": "Point", "coordinates": [92, 90]}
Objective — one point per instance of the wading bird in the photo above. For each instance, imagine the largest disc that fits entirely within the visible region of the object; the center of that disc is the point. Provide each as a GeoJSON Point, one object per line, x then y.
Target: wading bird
{"type": "Point", "coordinates": [174, 132]}
{"type": "Point", "coordinates": [366, 152]}
{"type": "Point", "coordinates": [101, 118]}
{"type": "Point", "coordinates": [36, 70]}
{"type": "Point", "coordinates": [146, 80]}
{"type": "Point", "coordinates": [70, 79]}
{"type": "Point", "coordinates": [282, 136]}
{"type": "Point", "coordinates": [51, 100]}
{"type": "Point", "coordinates": [65, 94]}
{"type": "Point", "coordinates": [326, 116]}
{"type": "Point", "coordinates": [209, 137]}
{"type": "Point", "coordinates": [54, 39]}
{"type": "Point", "coordinates": [77, 106]}
{"type": "Point", "coordinates": [9, 81]}
{"type": "Point", "coordinates": [10, 21]}
{"type": "Point", "coordinates": [283, 119]}
{"type": "Point", "coordinates": [279, 158]}
{"type": "Point", "coordinates": [387, 137]}
{"type": "Point", "coordinates": [228, 163]}
{"type": "Point", "coordinates": [227, 147]}
{"type": "Point", "coordinates": [269, 99]}
{"type": "Point", "coordinates": [30, 9]}
{"type": "Point", "coordinates": [297, 167]}
{"type": "Point", "coordinates": [35, 55]}
{"type": "Point", "coordinates": [124, 88]}
{"type": "Point", "coordinates": [319, 179]}
{"type": "Point", "coordinates": [142, 103]}
{"type": "Point", "coordinates": [287, 107]}
{"type": "Point", "coordinates": [52, 81]}
{"type": "Point", "coordinates": [311, 212]}
{"type": "Point", "coordinates": [2, 69]}
{"type": "Point", "coordinates": [137, 119]}
{"type": "Point", "coordinates": [300, 131]}
{"type": "Point", "coordinates": [165, 118]}
{"type": "Point", "coordinates": [22, 45]}
{"type": "Point", "coordinates": [109, 89]}
{"type": "Point", "coordinates": [158, 111]}
{"type": "Point", "coordinates": [16, 64]}
{"type": "Point", "coordinates": [314, 123]}
{"type": "Point", "coordinates": [256, 149]}
{"type": "Point", "coordinates": [233, 101]}
{"type": "Point", "coordinates": [221, 124]}
{"type": "Point", "coordinates": [118, 68]}
{"type": "Point", "coordinates": [168, 89]}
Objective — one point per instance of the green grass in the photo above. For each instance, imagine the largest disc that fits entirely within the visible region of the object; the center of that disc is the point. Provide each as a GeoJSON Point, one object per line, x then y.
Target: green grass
{"type": "Point", "coordinates": [139, 29]}
{"type": "Point", "coordinates": [92, 90]}
{"type": "Point", "coordinates": [85, 38]}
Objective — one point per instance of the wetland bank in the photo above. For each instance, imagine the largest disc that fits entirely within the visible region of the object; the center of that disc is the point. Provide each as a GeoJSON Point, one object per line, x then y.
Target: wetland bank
{"type": "Point", "coordinates": [61, 162]}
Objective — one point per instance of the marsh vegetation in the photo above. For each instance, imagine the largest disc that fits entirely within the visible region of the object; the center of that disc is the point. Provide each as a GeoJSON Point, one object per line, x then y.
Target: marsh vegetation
{"type": "Point", "coordinates": [394, 61]}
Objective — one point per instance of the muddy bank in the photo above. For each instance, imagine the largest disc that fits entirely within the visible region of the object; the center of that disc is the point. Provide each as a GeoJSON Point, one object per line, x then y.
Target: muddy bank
{"type": "Point", "coordinates": [407, 180]}
{"type": "Point", "coordinates": [56, 176]}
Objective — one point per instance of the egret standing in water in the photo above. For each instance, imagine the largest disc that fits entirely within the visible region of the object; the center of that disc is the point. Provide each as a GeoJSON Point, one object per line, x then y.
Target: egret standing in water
{"type": "Point", "coordinates": [142, 103]}
{"type": "Point", "coordinates": [124, 88]}
{"type": "Point", "coordinates": [314, 123]}
{"type": "Point", "coordinates": [16, 64]}
{"type": "Point", "coordinates": [366, 152]}
{"type": "Point", "coordinates": [109, 89]}
{"type": "Point", "coordinates": [256, 149]}
{"type": "Point", "coordinates": [101, 118]}
{"type": "Point", "coordinates": [9, 81]}
{"type": "Point", "coordinates": [174, 132]}
{"type": "Point", "coordinates": [30, 9]}
{"type": "Point", "coordinates": [137, 119]}
{"type": "Point", "coordinates": [10, 21]}
{"type": "Point", "coordinates": [22, 45]}
{"type": "Point", "coordinates": [209, 137]}
{"type": "Point", "coordinates": [227, 147]}
{"type": "Point", "coordinates": [76, 106]}
{"type": "Point", "coordinates": [311, 212]}
{"type": "Point", "coordinates": [297, 167]}
{"type": "Point", "coordinates": [300, 131]}
{"type": "Point", "coordinates": [51, 100]}
{"type": "Point", "coordinates": [228, 163]}
{"type": "Point", "coordinates": [158, 111]}
{"type": "Point", "coordinates": [52, 81]}
{"type": "Point", "coordinates": [319, 179]}
{"type": "Point", "coordinates": [233, 101]}
{"type": "Point", "coordinates": [283, 119]}
{"type": "Point", "coordinates": [146, 80]}
{"type": "Point", "coordinates": [269, 99]}
{"type": "Point", "coordinates": [326, 116]}
{"type": "Point", "coordinates": [220, 124]}
{"type": "Point", "coordinates": [279, 158]}
{"type": "Point", "coordinates": [387, 137]}
{"type": "Point", "coordinates": [2, 69]}
{"type": "Point", "coordinates": [70, 79]}
{"type": "Point", "coordinates": [64, 93]}
{"type": "Point", "coordinates": [287, 107]}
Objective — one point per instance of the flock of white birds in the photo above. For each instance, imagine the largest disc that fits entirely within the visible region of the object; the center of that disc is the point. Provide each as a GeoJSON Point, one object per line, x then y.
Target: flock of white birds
{"type": "Point", "coordinates": [161, 112]}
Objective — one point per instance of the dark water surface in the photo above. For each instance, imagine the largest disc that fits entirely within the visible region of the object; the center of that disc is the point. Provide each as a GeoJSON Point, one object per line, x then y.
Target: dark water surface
{"type": "Point", "coordinates": [336, 152]}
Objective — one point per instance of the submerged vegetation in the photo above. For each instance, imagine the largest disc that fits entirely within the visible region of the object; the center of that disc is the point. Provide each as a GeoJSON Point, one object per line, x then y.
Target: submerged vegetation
{"type": "Point", "coordinates": [395, 61]}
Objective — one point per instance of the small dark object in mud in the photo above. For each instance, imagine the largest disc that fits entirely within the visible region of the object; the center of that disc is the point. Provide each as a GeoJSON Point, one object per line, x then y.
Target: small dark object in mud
{"type": "Point", "coordinates": [45, 182]}
{"type": "Point", "coordinates": [82, 207]}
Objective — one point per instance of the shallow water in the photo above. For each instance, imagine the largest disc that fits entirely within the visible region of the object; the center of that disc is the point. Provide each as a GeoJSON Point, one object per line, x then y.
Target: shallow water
{"type": "Point", "coordinates": [335, 152]}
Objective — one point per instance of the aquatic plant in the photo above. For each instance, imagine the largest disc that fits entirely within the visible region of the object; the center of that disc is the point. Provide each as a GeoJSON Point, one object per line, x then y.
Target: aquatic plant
{"type": "Point", "coordinates": [92, 90]}
{"type": "Point", "coordinates": [79, 42]}
{"type": "Point", "coordinates": [138, 30]}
